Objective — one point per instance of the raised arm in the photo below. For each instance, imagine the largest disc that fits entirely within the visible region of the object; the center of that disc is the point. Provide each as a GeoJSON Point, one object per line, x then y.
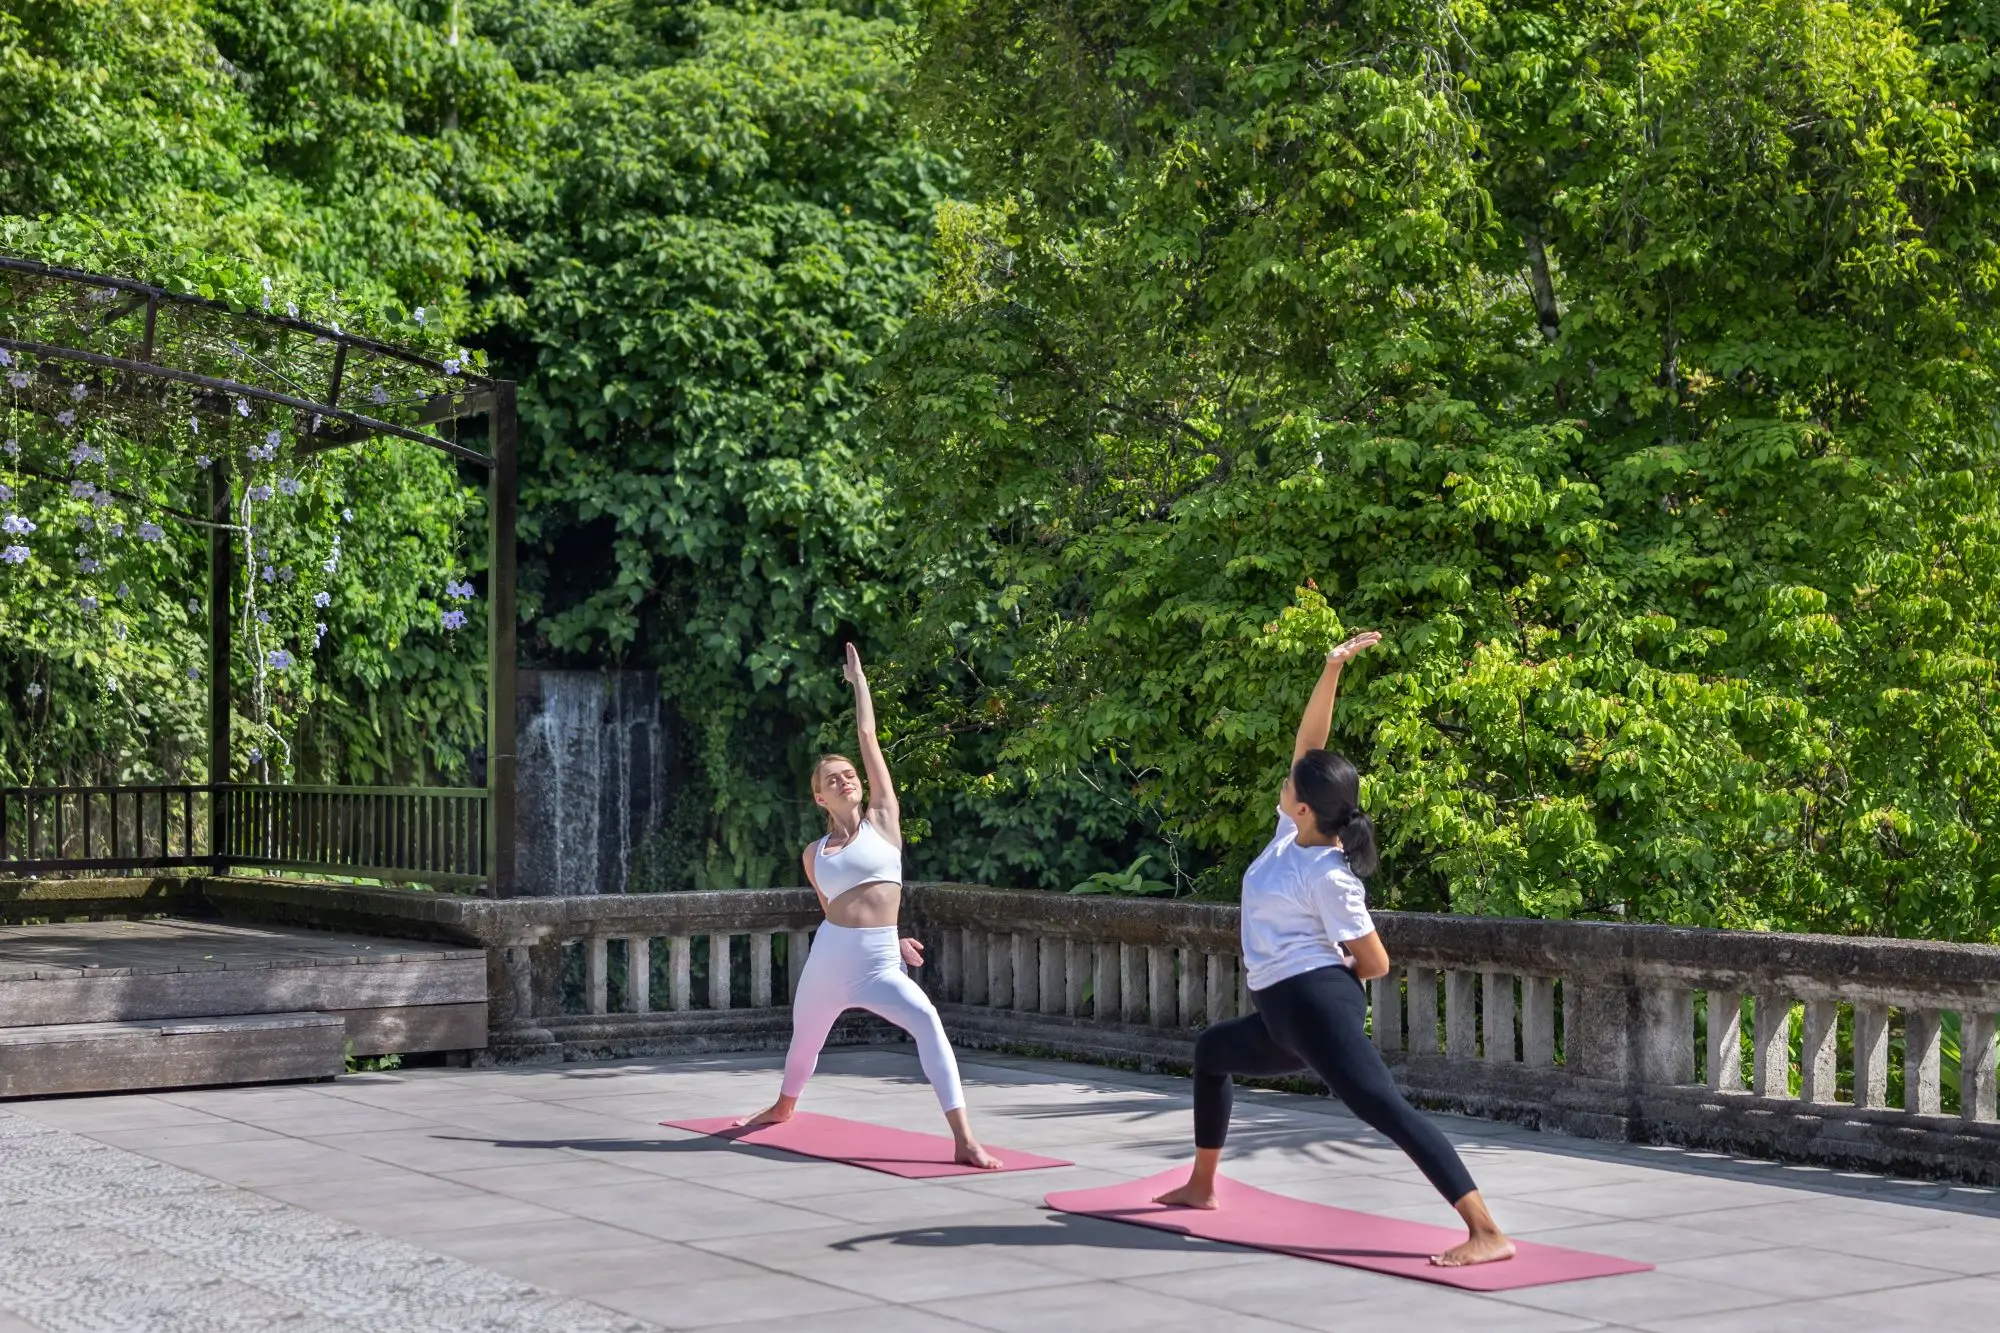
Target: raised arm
{"type": "Point", "coordinates": [1318, 720]}
{"type": "Point", "coordinates": [882, 807]}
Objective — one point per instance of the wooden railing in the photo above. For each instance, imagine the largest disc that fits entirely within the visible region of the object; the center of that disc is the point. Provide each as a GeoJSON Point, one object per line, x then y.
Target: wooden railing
{"type": "Point", "coordinates": [44, 829]}
{"type": "Point", "coordinates": [434, 834]}
{"type": "Point", "coordinates": [428, 835]}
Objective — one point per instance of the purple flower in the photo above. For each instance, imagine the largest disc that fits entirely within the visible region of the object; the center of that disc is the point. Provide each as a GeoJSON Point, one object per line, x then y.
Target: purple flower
{"type": "Point", "coordinates": [259, 494]}
{"type": "Point", "coordinates": [288, 485]}
{"type": "Point", "coordinates": [6, 492]}
{"type": "Point", "coordinates": [104, 499]}
{"type": "Point", "coordinates": [151, 532]}
{"type": "Point", "coordinates": [322, 599]}
{"type": "Point", "coordinates": [242, 407]}
{"type": "Point", "coordinates": [194, 606]}
{"type": "Point", "coordinates": [194, 425]}
{"type": "Point", "coordinates": [15, 555]}
{"type": "Point", "coordinates": [418, 315]}
{"type": "Point", "coordinates": [346, 516]}
{"type": "Point", "coordinates": [13, 448]}
{"type": "Point", "coordinates": [85, 524]}
{"type": "Point", "coordinates": [34, 689]}
{"type": "Point", "coordinates": [453, 620]}
{"type": "Point", "coordinates": [292, 309]}
{"type": "Point", "coordinates": [121, 629]}
{"type": "Point", "coordinates": [65, 418]}
{"type": "Point", "coordinates": [451, 366]}
{"type": "Point", "coordinates": [285, 574]}
{"type": "Point", "coordinates": [124, 590]}
{"type": "Point", "coordinates": [81, 490]}
{"type": "Point", "coordinates": [280, 660]}
{"type": "Point", "coordinates": [83, 453]}
{"type": "Point", "coordinates": [6, 357]}
{"type": "Point", "coordinates": [458, 592]}
{"type": "Point", "coordinates": [270, 574]}
{"type": "Point", "coordinates": [319, 634]}
{"type": "Point", "coordinates": [89, 566]}
{"type": "Point", "coordinates": [194, 673]}
{"type": "Point", "coordinates": [118, 529]}
{"type": "Point", "coordinates": [379, 395]}
{"type": "Point", "coordinates": [16, 526]}
{"type": "Point", "coordinates": [79, 392]}
{"type": "Point", "coordinates": [256, 755]}
{"type": "Point", "coordinates": [267, 293]}
{"type": "Point", "coordinates": [263, 617]}
{"type": "Point", "coordinates": [20, 379]}
{"type": "Point", "coordinates": [202, 460]}
{"type": "Point", "coordinates": [88, 603]}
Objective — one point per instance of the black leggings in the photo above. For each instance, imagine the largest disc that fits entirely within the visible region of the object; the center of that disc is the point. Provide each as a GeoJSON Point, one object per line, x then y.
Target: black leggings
{"type": "Point", "coordinates": [1315, 1021]}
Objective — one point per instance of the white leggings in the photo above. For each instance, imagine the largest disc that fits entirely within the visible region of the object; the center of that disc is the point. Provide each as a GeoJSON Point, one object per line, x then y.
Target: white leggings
{"type": "Point", "coordinates": [863, 969]}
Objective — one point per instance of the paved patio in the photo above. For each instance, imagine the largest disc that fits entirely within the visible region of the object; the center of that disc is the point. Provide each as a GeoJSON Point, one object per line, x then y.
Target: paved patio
{"type": "Point", "coordinates": [549, 1199]}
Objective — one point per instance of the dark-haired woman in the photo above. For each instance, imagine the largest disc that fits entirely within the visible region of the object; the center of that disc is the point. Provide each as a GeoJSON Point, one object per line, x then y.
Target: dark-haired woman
{"type": "Point", "coordinates": [857, 960]}
{"type": "Point", "coordinates": [1308, 944]}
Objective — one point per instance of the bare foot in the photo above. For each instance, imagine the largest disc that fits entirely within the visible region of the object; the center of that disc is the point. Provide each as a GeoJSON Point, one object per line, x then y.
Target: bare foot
{"type": "Point", "coordinates": [770, 1115]}
{"type": "Point", "coordinates": [1485, 1248]}
{"type": "Point", "coordinates": [971, 1154]}
{"type": "Point", "coordinates": [1189, 1195]}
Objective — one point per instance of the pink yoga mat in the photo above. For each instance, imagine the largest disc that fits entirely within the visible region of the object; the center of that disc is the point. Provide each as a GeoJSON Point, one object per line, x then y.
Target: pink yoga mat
{"type": "Point", "coordinates": [1265, 1221]}
{"type": "Point", "coordinates": [877, 1147]}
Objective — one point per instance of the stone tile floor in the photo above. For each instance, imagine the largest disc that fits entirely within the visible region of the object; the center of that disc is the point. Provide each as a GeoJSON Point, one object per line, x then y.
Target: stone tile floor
{"type": "Point", "coordinates": [550, 1199]}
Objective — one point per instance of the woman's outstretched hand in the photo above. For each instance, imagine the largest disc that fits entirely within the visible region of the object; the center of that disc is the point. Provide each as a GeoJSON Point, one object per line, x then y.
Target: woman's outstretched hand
{"type": "Point", "coordinates": [913, 952]}
{"type": "Point", "coordinates": [852, 670]}
{"type": "Point", "coordinates": [1343, 654]}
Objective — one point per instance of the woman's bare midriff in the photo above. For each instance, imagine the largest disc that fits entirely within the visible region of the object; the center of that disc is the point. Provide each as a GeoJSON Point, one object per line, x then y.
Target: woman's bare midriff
{"type": "Point", "coordinates": [867, 905]}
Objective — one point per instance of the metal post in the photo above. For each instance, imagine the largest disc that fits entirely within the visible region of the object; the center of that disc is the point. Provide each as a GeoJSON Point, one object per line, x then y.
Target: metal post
{"type": "Point", "coordinates": [220, 566]}
{"type": "Point", "coordinates": [500, 519]}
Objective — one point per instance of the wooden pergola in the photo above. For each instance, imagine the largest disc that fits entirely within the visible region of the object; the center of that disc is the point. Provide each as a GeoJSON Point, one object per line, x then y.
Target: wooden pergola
{"type": "Point", "coordinates": [461, 837]}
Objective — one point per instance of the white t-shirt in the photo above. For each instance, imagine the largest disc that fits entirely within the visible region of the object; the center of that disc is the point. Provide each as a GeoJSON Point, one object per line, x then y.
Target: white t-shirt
{"type": "Point", "coordinates": [1299, 905]}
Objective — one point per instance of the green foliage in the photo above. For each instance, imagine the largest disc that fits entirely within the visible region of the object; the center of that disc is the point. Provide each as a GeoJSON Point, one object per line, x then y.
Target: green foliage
{"type": "Point", "coordinates": [1131, 882]}
{"type": "Point", "coordinates": [104, 621]}
{"type": "Point", "coordinates": [1626, 364]}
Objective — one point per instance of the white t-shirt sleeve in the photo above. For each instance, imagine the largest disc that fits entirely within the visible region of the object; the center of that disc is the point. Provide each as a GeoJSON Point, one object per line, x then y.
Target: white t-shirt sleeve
{"type": "Point", "coordinates": [1343, 905]}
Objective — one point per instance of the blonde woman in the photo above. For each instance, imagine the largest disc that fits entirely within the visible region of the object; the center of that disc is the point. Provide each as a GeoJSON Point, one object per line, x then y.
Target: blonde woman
{"type": "Point", "coordinates": [856, 960]}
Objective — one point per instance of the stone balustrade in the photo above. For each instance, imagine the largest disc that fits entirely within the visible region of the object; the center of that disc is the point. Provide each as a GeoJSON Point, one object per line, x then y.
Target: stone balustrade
{"type": "Point", "coordinates": [1767, 1044]}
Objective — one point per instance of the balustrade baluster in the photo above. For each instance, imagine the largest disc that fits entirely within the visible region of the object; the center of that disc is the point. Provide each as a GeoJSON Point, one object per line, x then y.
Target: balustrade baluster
{"type": "Point", "coordinates": [638, 974]}
{"type": "Point", "coordinates": [596, 971]}
{"type": "Point", "coordinates": [948, 983]}
{"type": "Point", "coordinates": [1160, 987]}
{"type": "Point", "coordinates": [1923, 1061]}
{"type": "Point", "coordinates": [1771, 1048]}
{"type": "Point", "coordinates": [1423, 1017]}
{"type": "Point", "coordinates": [1132, 981]}
{"type": "Point", "coordinates": [1725, 1040]}
{"type": "Point", "coordinates": [1385, 1010]}
{"type": "Point", "coordinates": [760, 969]}
{"type": "Point", "coordinates": [680, 973]}
{"type": "Point", "coordinates": [1192, 999]}
{"type": "Point", "coordinates": [1497, 1016]}
{"type": "Point", "coordinates": [1054, 956]}
{"type": "Point", "coordinates": [978, 988]}
{"type": "Point", "coordinates": [1027, 973]}
{"type": "Point", "coordinates": [1000, 971]}
{"type": "Point", "coordinates": [1107, 971]}
{"type": "Point", "coordinates": [1871, 1053]}
{"type": "Point", "coordinates": [1818, 1054]}
{"type": "Point", "coordinates": [1221, 988]}
{"type": "Point", "coordinates": [1538, 1022]}
{"type": "Point", "coordinates": [718, 971]}
{"type": "Point", "coordinates": [1077, 959]}
{"type": "Point", "coordinates": [798, 944]}
{"type": "Point", "coordinates": [1461, 1014]}
{"type": "Point", "coordinates": [1979, 1067]}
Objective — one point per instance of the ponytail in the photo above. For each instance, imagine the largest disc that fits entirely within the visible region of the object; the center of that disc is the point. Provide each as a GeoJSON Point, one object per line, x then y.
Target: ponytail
{"type": "Point", "coordinates": [1328, 784]}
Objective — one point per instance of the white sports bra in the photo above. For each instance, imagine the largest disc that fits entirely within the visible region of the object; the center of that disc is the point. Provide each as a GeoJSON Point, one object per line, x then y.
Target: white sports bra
{"type": "Point", "coordinates": [868, 858]}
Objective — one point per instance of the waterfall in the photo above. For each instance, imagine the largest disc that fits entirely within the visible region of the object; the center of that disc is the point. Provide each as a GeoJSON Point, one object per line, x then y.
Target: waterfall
{"type": "Point", "coordinates": [591, 773]}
